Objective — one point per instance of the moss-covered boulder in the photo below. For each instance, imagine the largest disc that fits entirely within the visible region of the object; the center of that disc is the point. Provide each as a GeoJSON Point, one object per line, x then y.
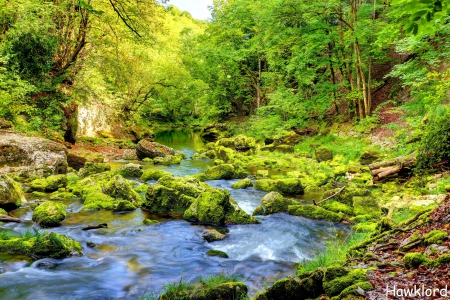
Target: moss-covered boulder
{"type": "Point", "coordinates": [169, 159]}
{"type": "Point", "coordinates": [120, 188]}
{"type": "Point", "coordinates": [242, 184]}
{"type": "Point", "coordinates": [49, 214]}
{"type": "Point", "coordinates": [211, 235]}
{"type": "Point", "coordinates": [150, 222]}
{"type": "Point", "coordinates": [11, 195]}
{"type": "Point", "coordinates": [154, 174]}
{"type": "Point", "coordinates": [352, 190]}
{"type": "Point", "coordinates": [217, 253]}
{"type": "Point", "coordinates": [147, 148]}
{"type": "Point", "coordinates": [49, 184]}
{"type": "Point", "coordinates": [355, 291]}
{"type": "Point", "coordinates": [323, 154]}
{"type": "Point", "coordinates": [414, 259]}
{"type": "Point", "coordinates": [338, 207]}
{"type": "Point", "coordinates": [305, 286]}
{"type": "Point", "coordinates": [130, 171]}
{"type": "Point", "coordinates": [314, 212]}
{"type": "Point", "coordinates": [334, 286]}
{"type": "Point", "coordinates": [3, 212]}
{"type": "Point", "coordinates": [435, 237]}
{"type": "Point", "coordinates": [288, 186]}
{"type": "Point", "coordinates": [212, 132]}
{"type": "Point", "coordinates": [368, 157]}
{"type": "Point", "coordinates": [225, 171]}
{"type": "Point", "coordinates": [212, 291]}
{"type": "Point", "coordinates": [224, 154]}
{"type": "Point", "coordinates": [173, 194]}
{"type": "Point", "coordinates": [77, 159]}
{"type": "Point", "coordinates": [239, 143]}
{"type": "Point", "coordinates": [273, 203]}
{"type": "Point", "coordinates": [62, 195]}
{"type": "Point", "coordinates": [215, 206]}
{"type": "Point", "coordinates": [91, 168]}
{"type": "Point", "coordinates": [123, 205]}
{"type": "Point", "coordinates": [50, 245]}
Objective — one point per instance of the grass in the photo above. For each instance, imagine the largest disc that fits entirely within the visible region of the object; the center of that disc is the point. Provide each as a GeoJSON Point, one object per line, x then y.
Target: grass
{"type": "Point", "coordinates": [182, 289]}
{"type": "Point", "coordinates": [334, 252]}
{"type": "Point", "coordinates": [402, 215]}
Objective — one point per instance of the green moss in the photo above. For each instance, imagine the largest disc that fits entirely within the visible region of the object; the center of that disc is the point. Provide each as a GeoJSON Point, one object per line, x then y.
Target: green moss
{"type": "Point", "coordinates": [272, 203]}
{"type": "Point", "coordinates": [217, 253]}
{"type": "Point", "coordinates": [150, 222]}
{"type": "Point", "coordinates": [167, 160]}
{"type": "Point", "coordinates": [39, 185]}
{"type": "Point", "coordinates": [323, 154]}
{"type": "Point", "coordinates": [49, 214]}
{"type": "Point", "coordinates": [39, 194]}
{"type": "Point", "coordinates": [365, 227]}
{"type": "Point", "coordinates": [3, 212]}
{"type": "Point", "coordinates": [120, 188]}
{"type": "Point", "coordinates": [353, 290]}
{"type": "Point", "coordinates": [123, 205]}
{"type": "Point", "coordinates": [435, 237]}
{"type": "Point", "coordinates": [314, 212]}
{"type": "Point", "coordinates": [187, 186]}
{"type": "Point", "coordinates": [443, 259]}
{"type": "Point", "coordinates": [161, 199]}
{"type": "Point", "coordinates": [225, 171]}
{"type": "Point", "coordinates": [288, 186]}
{"type": "Point", "coordinates": [334, 271]}
{"type": "Point", "coordinates": [54, 182]}
{"type": "Point", "coordinates": [242, 184]}
{"type": "Point", "coordinates": [142, 188]}
{"type": "Point", "coordinates": [91, 168]}
{"type": "Point", "coordinates": [414, 259]}
{"type": "Point", "coordinates": [97, 200]}
{"type": "Point", "coordinates": [209, 207]}
{"type": "Point", "coordinates": [338, 207]}
{"type": "Point", "coordinates": [335, 286]}
{"type": "Point", "coordinates": [365, 205]}
{"type": "Point", "coordinates": [351, 191]}
{"type": "Point", "coordinates": [154, 174]}
{"type": "Point", "coordinates": [130, 171]}
{"type": "Point", "coordinates": [236, 215]}
{"type": "Point", "coordinates": [223, 153]}
{"type": "Point", "coordinates": [62, 195]}
{"type": "Point", "coordinates": [56, 246]}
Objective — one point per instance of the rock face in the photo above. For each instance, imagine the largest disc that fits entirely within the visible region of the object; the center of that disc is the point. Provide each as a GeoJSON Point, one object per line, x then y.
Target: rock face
{"type": "Point", "coordinates": [27, 156]}
{"type": "Point", "coordinates": [49, 214]}
{"type": "Point", "coordinates": [11, 195]}
{"type": "Point", "coordinates": [146, 148]}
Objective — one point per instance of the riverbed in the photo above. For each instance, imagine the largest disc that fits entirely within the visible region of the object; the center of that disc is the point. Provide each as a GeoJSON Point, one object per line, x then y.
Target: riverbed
{"type": "Point", "coordinates": [131, 260]}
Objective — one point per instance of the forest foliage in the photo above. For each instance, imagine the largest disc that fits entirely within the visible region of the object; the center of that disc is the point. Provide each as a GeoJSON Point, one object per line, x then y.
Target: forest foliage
{"type": "Point", "coordinates": [280, 63]}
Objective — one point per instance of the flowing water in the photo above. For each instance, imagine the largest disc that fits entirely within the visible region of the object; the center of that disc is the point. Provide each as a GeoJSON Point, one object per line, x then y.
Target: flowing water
{"type": "Point", "coordinates": [131, 260]}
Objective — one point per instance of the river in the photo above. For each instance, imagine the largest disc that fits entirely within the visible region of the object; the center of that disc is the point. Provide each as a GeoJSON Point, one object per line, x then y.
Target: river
{"type": "Point", "coordinates": [131, 260]}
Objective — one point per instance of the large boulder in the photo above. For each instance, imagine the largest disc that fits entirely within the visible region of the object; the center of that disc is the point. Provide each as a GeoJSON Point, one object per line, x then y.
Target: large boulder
{"type": "Point", "coordinates": [130, 170]}
{"type": "Point", "coordinates": [49, 214]}
{"type": "Point", "coordinates": [239, 143]}
{"type": "Point", "coordinates": [225, 171]}
{"type": "Point", "coordinates": [173, 194]}
{"type": "Point", "coordinates": [215, 206]}
{"type": "Point", "coordinates": [273, 203]}
{"type": "Point", "coordinates": [50, 245]}
{"type": "Point", "coordinates": [11, 195]}
{"type": "Point", "coordinates": [26, 156]}
{"type": "Point", "coordinates": [146, 148]}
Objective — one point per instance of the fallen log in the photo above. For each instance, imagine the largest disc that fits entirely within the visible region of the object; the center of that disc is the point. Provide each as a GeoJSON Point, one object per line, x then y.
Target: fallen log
{"type": "Point", "coordinates": [4, 218]}
{"type": "Point", "coordinates": [103, 225]}
{"type": "Point", "coordinates": [381, 173]}
{"type": "Point", "coordinates": [396, 161]}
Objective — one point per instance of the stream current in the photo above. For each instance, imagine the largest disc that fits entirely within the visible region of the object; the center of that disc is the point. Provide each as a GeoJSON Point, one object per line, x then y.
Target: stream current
{"type": "Point", "coordinates": [131, 260]}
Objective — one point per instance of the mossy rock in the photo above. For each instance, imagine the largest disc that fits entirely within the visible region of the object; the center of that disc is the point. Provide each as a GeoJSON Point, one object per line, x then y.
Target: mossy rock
{"type": "Point", "coordinates": [141, 188]}
{"type": "Point", "coordinates": [368, 157]}
{"type": "Point", "coordinates": [209, 207]}
{"type": "Point", "coordinates": [38, 185]}
{"type": "Point", "coordinates": [305, 286]}
{"type": "Point", "coordinates": [337, 207]}
{"type": "Point", "coordinates": [288, 186]}
{"type": "Point", "coordinates": [288, 138]}
{"type": "Point", "coordinates": [236, 215]}
{"type": "Point", "coordinates": [365, 205]}
{"type": "Point", "coordinates": [54, 182]}
{"type": "Point", "coordinates": [150, 222]}
{"type": "Point", "coordinates": [217, 253]}
{"type": "Point", "coordinates": [435, 237]}
{"type": "Point", "coordinates": [352, 190]}
{"type": "Point", "coordinates": [228, 290]}
{"type": "Point", "coordinates": [161, 199]}
{"type": "Point", "coordinates": [130, 171]}
{"type": "Point", "coordinates": [188, 186]}
{"type": "Point", "coordinates": [323, 154]}
{"type": "Point", "coordinates": [49, 214]}
{"type": "Point", "coordinates": [11, 195]}
{"type": "Point", "coordinates": [273, 203]}
{"type": "Point", "coordinates": [335, 286]}
{"type": "Point", "coordinates": [366, 227]}
{"type": "Point", "coordinates": [120, 188]}
{"type": "Point", "coordinates": [123, 205]}
{"type": "Point", "coordinates": [154, 174]}
{"type": "Point", "coordinates": [354, 290]}
{"type": "Point", "coordinates": [285, 148]}
{"type": "Point", "coordinates": [147, 148]}
{"type": "Point", "coordinates": [40, 194]}
{"type": "Point", "coordinates": [314, 212]}
{"type": "Point", "coordinates": [50, 245]}
{"type": "Point", "coordinates": [211, 235]}
{"type": "Point", "coordinates": [242, 184]}
{"type": "Point", "coordinates": [96, 200]}
{"type": "Point", "coordinates": [225, 171]}
{"type": "Point", "coordinates": [239, 143]}
{"type": "Point", "coordinates": [168, 160]}
{"type": "Point", "coordinates": [414, 260]}
{"type": "Point", "coordinates": [3, 212]}
{"type": "Point", "coordinates": [91, 168]}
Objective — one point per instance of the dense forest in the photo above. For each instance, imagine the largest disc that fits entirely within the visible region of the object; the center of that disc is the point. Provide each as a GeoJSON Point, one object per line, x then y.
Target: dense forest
{"type": "Point", "coordinates": [339, 109]}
